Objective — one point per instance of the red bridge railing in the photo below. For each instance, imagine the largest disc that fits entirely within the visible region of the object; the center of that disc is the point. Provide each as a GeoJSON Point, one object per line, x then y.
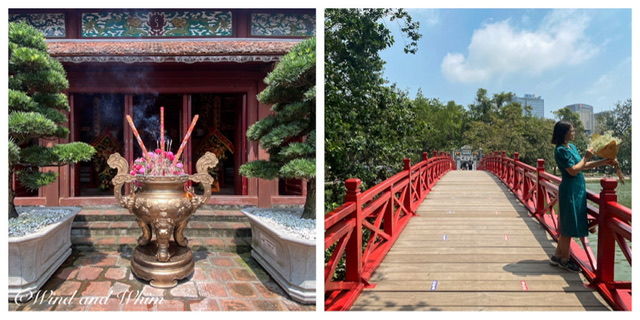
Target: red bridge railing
{"type": "Point", "coordinates": [376, 216]}
{"type": "Point", "coordinates": [538, 191]}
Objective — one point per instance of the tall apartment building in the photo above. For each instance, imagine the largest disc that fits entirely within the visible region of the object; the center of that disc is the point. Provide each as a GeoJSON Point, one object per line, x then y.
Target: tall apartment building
{"type": "Point", "coordinates": [536, 103]}
{"type": "Point", "coordinates": [585, 112]}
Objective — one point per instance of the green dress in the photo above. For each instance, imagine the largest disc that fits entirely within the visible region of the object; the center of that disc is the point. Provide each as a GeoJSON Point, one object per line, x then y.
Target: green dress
{"type": "Point", "coordinates": [572, 197]}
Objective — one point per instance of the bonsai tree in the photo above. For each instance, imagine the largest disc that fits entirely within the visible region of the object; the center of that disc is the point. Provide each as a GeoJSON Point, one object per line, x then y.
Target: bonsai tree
{"type": "Point", "coordinates": [289, 133]}
{"type": "Point", "coordinates": [36, 83]}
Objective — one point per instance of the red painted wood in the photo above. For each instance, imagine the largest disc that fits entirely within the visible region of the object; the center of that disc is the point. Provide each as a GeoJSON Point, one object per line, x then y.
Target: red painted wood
{"type": "Point", "coordinates": [30, 201]}
{"type": "Point", "coordinates": [384, 210]}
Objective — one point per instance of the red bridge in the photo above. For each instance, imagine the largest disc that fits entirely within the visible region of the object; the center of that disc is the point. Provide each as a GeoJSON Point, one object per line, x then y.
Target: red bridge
{"type": "Point", "coordinates": [431, 238]}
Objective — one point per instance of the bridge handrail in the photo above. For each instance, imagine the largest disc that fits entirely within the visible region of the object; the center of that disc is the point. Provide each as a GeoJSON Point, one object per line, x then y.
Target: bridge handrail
{"type": "Point", "coordinates": [538, 191]}
{"type": "Point", "coordinates": [378, 214]}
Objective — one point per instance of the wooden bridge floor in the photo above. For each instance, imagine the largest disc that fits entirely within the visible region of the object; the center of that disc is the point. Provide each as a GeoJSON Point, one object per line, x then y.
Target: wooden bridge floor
{"type": "Point", "coordinates": [474, 247]}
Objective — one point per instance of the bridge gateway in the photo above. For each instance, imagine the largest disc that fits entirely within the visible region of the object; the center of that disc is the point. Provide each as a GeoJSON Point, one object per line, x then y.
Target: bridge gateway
{"type": "Point", "coordinates": [466, 158]}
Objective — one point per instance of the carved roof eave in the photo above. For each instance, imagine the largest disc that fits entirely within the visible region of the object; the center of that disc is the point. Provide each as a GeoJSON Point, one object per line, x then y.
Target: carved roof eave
{"type": "Point", "coordinates": [170, 50]}
{"type": "Point", "coordinates": [170, 59]}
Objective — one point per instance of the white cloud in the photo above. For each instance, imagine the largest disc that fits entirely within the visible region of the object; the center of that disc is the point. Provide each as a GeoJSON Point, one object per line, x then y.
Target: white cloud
{"type": "Point", "coordinates": [500, 49]}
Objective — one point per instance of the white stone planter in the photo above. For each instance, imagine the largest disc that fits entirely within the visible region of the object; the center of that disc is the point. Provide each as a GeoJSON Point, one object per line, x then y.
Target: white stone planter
{"type": "Point", "coordinates": [35, 257]}
{"type": "Point", "coordinates": [290, 261]}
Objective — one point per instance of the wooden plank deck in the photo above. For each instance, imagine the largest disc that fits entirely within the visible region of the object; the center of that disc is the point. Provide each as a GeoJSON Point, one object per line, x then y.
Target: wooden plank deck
{"type": "Point", "coordinates": [474, 247]}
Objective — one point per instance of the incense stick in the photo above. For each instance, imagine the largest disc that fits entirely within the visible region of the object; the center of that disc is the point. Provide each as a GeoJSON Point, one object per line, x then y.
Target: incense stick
{"type": "Point", "coordinates": [135, 133]}
{"type": "Point", "coordinates": [184, 141]}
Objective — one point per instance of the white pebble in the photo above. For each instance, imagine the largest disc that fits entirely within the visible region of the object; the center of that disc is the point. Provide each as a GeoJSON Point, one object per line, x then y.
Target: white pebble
{"type": "Point", "coordinates": [31, 220]}
{"type": "Point", "coordinates": [289, 223]}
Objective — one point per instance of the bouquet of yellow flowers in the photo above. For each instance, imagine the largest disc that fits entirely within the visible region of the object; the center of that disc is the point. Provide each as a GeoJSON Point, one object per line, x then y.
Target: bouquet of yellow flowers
{"type": "Point", "coordinates": [606, 146]}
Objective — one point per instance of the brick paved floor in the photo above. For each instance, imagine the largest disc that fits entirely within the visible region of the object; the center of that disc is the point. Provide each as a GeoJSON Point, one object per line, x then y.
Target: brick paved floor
{"type": "Point", "coordinates": [102, 281]}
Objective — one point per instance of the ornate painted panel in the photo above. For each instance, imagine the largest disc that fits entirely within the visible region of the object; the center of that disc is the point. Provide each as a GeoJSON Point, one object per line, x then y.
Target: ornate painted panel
{"type": "Point", "coordinates": [52, 25]}
{"type": "Point", "coordinates": [206, 23]}
{"type": "Point", "coordinates": [283, 24]}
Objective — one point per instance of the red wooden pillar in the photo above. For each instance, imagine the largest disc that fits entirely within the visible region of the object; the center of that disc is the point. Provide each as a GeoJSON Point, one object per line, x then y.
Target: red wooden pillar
{"type": "Point", "coordinates": [353, 264]}
{"type": "Point", "coordinates": [51, 192]}
{"type": "Point", "coordinates": [606, 236]}
{"type": "Point", "coordinates": [128, 134]}
{"type": "Point", "coordinates": [64, 180]}
{"type": "Point", "coordinates": [187, 118]}
{"type": "Point", "coordinates": [266, 188]}
{"type": "Point", "coordinates": [539, 193]}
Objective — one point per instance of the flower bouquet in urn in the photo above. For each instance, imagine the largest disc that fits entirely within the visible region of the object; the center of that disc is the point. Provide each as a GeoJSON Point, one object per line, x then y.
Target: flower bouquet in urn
{"type": "Point", "coordinates": [606, 146]}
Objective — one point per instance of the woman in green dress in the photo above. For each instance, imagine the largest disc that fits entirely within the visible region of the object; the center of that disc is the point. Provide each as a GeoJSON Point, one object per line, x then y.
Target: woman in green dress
{"type": "Point", "coordinates": [572, 195]}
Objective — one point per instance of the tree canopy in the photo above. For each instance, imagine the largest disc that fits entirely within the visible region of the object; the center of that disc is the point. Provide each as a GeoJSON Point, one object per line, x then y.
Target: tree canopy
{"type": "Point", "coordinates": [371, 125]}
{"type": "Point", "coordinates": [36, 106]}
{"type": "Point", "coordinates": [366, 121]}
{"type": "Point", "coordinates": [289, 134]}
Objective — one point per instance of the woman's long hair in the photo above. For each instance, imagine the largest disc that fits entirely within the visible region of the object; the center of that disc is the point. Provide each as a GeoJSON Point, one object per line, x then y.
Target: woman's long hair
{"type": "Point", "coordinates": [560, 130]}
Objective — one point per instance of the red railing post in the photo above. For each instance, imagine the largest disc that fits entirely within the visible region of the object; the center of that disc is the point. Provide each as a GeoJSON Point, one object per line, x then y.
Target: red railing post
{"type": "Point", "coordinates": [606, 236]}
{"type": "Point", "coordinates": [514, 175]}
{"type": "Point", "coordinates": [490, 162]}
{"type": "Point", "coordinates": [425, 158]}
{"type": "Point", "coordinates": [409, 197]}
{"type": "Point", "coordinates": [539, 188]}
{"type": "Point", "coordinates": [353, 263]}
{"type": "Point", "coordinates": [505, 166]}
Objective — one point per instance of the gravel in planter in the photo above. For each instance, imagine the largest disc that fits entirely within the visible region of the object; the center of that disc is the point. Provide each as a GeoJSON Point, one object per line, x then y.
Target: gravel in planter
{"type": "Point", "coordinates": [289, 223]}
{"type": "Point", "coordinates": [32, 219]}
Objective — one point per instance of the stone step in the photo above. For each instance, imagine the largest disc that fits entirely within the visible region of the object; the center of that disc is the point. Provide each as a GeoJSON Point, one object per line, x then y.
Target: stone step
{"type": "Point", "coordinates": [131, 228]}
{"type": "Point", "coordinates": [128, 243]}
{"type": "Point", "coordinates": [114, 229]}
{"type": "Point", "coordinates": [121, 214]}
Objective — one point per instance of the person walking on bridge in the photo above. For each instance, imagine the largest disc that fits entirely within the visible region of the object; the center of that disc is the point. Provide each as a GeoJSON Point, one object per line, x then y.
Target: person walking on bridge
{"type": "Point", "coordinates": [572, 195]}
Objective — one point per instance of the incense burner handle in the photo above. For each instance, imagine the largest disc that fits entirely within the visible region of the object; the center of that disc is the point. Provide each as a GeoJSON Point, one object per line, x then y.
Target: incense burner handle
{"type": "Point", "coordinates": [116, 161]}
{"type": "Point", "coordinates": [207, 161]}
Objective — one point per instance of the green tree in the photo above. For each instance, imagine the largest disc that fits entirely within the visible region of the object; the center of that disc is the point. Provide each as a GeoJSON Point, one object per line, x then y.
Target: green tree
{"type": "Point", "coordinates": [440, 127]}
{"type": "Point", "coordinates": [604, 121]}
{"type": "Point", "coordinates": [621, 118]}
{"type": "Point", "coordinates": [36, 83]}
{"type": "Point", "coordinates": [366, 122]}
{"type": "Point", "coordinates": [289, 134]}
{"type": "Point", "coordinates": [502, 125]}
{"type": "Point", "coordinates": [485, 108]}
{"type": "Point", "coordinates": [618, 121]}
{"type": "Point", "coordinates": [582, 139]}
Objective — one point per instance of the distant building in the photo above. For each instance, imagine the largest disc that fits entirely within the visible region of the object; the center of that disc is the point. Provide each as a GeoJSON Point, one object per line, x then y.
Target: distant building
{"type": "Point", "coordinates": [536, 103]}
{"type": "Point", "coordinates": [585, 112]}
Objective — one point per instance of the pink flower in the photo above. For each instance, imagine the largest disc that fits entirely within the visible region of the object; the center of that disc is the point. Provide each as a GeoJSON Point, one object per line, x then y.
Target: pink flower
{"type": "Point", "coordinates": [133, 173]}
{"type": "Point", "coordinates": [158, 151]}
{"type": "Point", "coordinates": [179, 165]}
{"type": "Point", "coordinates": [141, 170]}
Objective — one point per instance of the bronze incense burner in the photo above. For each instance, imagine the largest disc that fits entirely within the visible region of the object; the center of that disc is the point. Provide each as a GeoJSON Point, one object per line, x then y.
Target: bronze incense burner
{"type": "Point", "coordinates": [162, 207]}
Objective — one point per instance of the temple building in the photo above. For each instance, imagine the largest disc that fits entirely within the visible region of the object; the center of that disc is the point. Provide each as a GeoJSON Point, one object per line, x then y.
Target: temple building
{"type": "Point", "coordinates": [206, 62]}
{"type": "Point", "coordinates": [466, 158]}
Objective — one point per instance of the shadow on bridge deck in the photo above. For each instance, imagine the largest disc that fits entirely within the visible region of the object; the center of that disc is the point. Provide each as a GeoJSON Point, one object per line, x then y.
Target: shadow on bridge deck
{"type": "Point", "coordinates": [474, 247]}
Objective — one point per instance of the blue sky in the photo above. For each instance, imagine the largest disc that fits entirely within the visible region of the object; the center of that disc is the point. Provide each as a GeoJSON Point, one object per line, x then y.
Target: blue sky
{"type": "Point", "coordinates": [566, 56]}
